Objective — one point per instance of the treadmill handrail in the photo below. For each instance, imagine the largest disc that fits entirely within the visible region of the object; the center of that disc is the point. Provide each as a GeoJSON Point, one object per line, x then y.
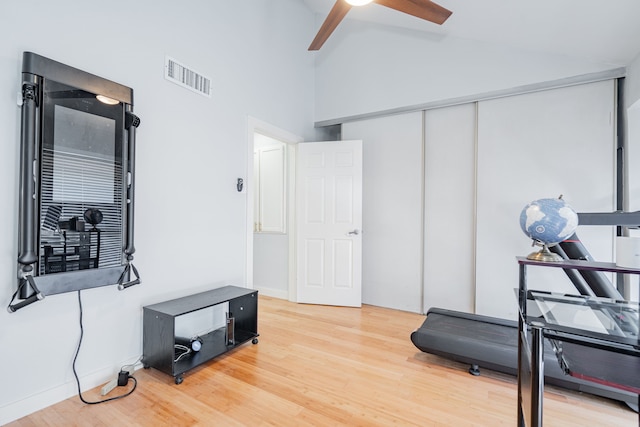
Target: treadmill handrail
{"type": "Point", "coordinates": [617, 218]}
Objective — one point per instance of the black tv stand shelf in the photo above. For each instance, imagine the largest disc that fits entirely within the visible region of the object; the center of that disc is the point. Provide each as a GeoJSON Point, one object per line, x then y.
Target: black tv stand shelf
{"type": "Point", "coordinates": [159, 339]}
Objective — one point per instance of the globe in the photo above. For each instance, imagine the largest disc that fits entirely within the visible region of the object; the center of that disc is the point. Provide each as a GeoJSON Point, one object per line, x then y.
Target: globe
{"type": "Point", "coordinates": [548, 221]}
{"type": "Point", "coordinates": [93, 216]}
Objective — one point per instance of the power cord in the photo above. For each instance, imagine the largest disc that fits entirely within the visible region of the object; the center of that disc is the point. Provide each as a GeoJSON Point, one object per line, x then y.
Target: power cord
{"type": "Point", "coordinates": [122, 376]}
{"type": "Point", "coordinates": [131, 365]}
{"type": "Point", "coordinates": [183, 349]}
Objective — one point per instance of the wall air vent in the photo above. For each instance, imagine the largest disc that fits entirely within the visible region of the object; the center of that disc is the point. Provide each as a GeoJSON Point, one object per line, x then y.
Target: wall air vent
{"type": "Point", "coordinates": [186, 77]}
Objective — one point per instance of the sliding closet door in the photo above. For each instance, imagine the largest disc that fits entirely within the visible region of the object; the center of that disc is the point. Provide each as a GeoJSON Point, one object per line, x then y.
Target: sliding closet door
{"type": "Point", "coordinates": [391, 209]}
{"type": "Point", "coordinates": [632, 289]}
{"type": "Point", "coordinates": [633, 159]}
{"type": "Point", "coordinates": [449, 220]}
{"type": "Point", "coordinates": [535, 146]}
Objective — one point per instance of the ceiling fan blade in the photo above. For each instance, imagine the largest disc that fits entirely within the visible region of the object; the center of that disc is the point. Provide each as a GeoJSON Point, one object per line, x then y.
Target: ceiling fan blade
{"type": "Point", "coordinates": [423, 9]}
{"type": "Point", "coordinates": [336, 15]}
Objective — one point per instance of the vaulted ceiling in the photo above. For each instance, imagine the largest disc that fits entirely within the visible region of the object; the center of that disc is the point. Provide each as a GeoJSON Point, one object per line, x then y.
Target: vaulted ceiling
{"type": "Point", "coordinates": [598, 30]}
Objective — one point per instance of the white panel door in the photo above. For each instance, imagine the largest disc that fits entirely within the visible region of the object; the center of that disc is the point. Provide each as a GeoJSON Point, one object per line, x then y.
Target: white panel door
{"type": "Point", "coordinates": [329, 221]}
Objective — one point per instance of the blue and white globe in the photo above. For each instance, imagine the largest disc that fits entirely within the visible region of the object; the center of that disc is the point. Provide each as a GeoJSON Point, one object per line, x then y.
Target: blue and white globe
{"type": "Point", "coordinates": [548, 221]}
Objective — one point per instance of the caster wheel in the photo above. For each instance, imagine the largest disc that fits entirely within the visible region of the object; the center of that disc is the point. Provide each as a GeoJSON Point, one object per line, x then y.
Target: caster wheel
{"type": "Point", "coordinates": [179, 380]}
{"type": "Point", "coordinates": [145, 366]}
{"type": "Point", "coordinates": [474, 370]}
{"type": "Point", "coordinates": [254, 341]}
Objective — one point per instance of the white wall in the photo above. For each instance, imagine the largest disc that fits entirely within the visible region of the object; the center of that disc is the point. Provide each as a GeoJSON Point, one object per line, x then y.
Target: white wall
{"type": "Point", "coordinates": [632, 82]}
{"type": "Point", "coordinates": [271, 264]}
{"type": "Point", "coordinates": [366, 68]}
{"type": "Point", "coordinates": [190, 220]}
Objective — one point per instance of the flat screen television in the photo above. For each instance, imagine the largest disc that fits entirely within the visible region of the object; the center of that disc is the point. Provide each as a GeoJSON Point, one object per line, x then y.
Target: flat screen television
{"type": "Point", "coordinates": [76, 182]}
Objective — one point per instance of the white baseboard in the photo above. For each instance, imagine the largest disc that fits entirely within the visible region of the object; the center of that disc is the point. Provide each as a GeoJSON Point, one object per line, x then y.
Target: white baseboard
{"type": "Point", "coordinates": [275, 293]}
{"type": "Point", "coordinates": [36, 402]}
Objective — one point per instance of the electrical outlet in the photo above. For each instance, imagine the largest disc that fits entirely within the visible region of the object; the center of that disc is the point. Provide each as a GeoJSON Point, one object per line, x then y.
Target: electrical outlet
{"type": "Point", "coordinates": [106, 389]}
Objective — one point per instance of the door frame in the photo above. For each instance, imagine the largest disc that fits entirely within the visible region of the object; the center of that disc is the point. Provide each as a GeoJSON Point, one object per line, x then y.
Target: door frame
{"type": "Point", "coordinates": [291, 140]}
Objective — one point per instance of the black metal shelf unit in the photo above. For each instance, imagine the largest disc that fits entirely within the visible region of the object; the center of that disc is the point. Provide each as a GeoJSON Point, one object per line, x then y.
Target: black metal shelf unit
{"type": "Point", "coordinates": [603, 356]}
{"type": "Point", "coordinates": [159, 339]}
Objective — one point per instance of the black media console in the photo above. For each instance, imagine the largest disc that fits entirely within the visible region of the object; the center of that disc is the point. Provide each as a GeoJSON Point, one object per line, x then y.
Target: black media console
{"type": "Point", "coordinates": [164, 351]}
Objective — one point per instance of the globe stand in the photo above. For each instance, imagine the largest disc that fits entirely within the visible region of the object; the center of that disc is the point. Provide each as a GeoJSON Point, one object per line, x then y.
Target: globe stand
{"type": "Point", "coordinates": [544, 255]}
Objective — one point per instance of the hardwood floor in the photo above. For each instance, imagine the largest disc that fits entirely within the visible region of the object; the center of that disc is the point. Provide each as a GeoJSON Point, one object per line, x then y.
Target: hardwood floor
{"type": "Point", "coordinates": [328, 366]}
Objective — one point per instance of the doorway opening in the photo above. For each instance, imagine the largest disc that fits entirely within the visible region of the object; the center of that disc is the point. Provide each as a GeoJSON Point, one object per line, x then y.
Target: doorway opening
{"type": "Point", "coordinates": [270, 263]}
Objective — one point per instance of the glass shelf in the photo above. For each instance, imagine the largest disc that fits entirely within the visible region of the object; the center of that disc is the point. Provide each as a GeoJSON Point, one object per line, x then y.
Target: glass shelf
{"type": "Point", "coordinates": [595, 317]}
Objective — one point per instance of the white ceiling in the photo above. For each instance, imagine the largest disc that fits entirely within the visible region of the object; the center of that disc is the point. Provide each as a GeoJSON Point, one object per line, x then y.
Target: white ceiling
{"type": "Point", "coordinates": [598, 30]}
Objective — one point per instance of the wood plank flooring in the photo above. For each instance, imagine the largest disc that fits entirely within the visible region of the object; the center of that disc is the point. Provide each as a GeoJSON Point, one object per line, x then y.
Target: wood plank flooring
{"type": "Point", "coordinates": [328, 366]}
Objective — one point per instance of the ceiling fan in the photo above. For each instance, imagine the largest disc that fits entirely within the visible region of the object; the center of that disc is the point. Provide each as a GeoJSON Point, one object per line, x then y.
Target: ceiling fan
{"type": "Point", "coordinates": [424, 9]}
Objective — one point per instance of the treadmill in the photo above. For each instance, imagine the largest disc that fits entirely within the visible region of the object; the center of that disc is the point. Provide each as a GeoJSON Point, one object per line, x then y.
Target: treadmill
{"type": "Point", "coordinates": [492, 343]}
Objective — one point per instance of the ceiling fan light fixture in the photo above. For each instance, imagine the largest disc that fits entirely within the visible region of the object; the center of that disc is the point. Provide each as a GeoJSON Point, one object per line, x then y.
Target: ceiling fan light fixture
{"type": "Point", "coordinates": [358, 2]}
{"type": "Point", "coordinates": [423, 9]}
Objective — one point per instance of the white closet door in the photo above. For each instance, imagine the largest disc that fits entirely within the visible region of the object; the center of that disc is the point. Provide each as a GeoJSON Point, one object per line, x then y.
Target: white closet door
{"type": "Point", "coordinates": [391, 210]}
{"type": "Point", "coordinates": [449, 222]}
{"type": "Point", "coordinates": [632, 290]}
{"type": "Point", "coordinates": [272, 202]}
{"type": "Point", "coordinates": [533, 146]}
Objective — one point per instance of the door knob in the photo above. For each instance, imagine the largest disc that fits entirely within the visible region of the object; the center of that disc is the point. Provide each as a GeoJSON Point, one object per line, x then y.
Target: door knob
{"type": "Point", "coordinates": [353, 232]}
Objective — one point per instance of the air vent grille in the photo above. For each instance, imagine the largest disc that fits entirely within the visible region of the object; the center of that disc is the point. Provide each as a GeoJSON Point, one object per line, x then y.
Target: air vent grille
{"type": "Point", "coordinates": [186, 77]}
